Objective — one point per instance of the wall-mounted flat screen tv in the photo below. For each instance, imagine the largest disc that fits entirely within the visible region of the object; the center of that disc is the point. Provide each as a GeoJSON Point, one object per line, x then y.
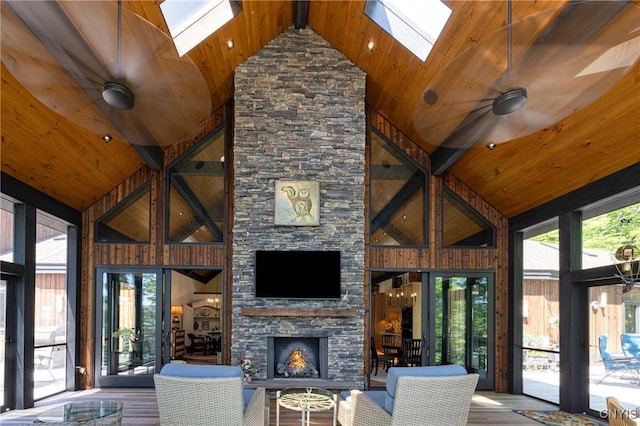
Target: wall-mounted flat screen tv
{"type": "Point", "coordinates": [297, 274]}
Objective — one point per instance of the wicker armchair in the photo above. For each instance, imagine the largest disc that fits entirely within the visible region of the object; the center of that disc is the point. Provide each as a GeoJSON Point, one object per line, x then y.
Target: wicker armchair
{"type": "Point", "coordinates": [618, 415]}
{"type": "Point", "coordinates": [414, 395]}
{"type": "Point", "coordinates": [207, 395]}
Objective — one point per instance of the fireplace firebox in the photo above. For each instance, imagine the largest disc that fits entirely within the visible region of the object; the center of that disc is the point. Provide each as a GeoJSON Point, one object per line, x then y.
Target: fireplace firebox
{"type": "Point", "coordinates": [297, 358]}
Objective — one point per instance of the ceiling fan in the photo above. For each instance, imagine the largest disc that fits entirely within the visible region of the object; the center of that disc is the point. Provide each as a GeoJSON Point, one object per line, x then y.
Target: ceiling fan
{"type": "Point", "coordinates": [104, 68]}
{"type": "Point", "coordinates": [555, 63]}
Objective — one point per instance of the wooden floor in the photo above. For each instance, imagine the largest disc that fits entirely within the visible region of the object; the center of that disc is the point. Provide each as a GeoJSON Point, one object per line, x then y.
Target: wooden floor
{"type": "Point", "coordinates": [140, 408]}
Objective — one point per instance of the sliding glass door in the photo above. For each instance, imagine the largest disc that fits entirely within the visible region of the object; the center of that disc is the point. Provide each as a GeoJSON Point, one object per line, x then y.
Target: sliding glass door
{"type": "Point", "coordinates": [128, 327]}
{"type": "Point", "coordinates": [450, 315]}
{"type": "Point", "coordinates": [463, 323]}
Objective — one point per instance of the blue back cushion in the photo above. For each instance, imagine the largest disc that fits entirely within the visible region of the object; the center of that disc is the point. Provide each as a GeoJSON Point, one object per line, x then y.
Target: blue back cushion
{"type": "Point", "coordinates": [431, 370]}
{"type": "Point", "coordinates": [197, 370]}
{"type": "Point", "coordinates": [631, 345]}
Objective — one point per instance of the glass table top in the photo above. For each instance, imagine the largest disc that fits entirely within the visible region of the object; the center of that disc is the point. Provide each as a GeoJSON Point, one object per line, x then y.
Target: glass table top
{"type": "Point", "coordinates": [81, 411]}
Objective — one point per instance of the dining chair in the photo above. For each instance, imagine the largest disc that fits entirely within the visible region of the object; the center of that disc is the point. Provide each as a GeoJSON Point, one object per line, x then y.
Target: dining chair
{"type": "Point", "coordinates": [391, 350]}
{"type": "Point", "coordinates": [412, 352]}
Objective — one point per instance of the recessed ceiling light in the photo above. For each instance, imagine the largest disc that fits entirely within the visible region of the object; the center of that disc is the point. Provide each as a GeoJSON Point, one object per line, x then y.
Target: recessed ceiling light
{"type": "Point", "coordinates": [107, 137]}
{"type": "Point", "coordinates": [491, 146]}
{"type": "Point", "coordinates": [370, 45]}
{"type": "Point", "coordinates": [230, 44]}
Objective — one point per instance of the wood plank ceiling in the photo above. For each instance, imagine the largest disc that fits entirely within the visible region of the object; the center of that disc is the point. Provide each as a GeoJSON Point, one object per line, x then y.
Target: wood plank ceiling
{"type": "Point", "coordinates": [73, 164]}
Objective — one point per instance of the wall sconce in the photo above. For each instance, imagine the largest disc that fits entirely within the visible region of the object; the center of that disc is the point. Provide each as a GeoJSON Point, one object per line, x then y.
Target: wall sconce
{"type": "Point", "coordinates": [602, 303]}
{"type": "Point", "coordinates": [603, 299]}
{"type": "Point", "coordinates": [175, 311]}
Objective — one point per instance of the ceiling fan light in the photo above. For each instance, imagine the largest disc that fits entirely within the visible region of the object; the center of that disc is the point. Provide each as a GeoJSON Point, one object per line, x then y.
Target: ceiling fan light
{"type": "Point", "coordinates": [117, 95]}
{"type": "Point", "coordinates": [510, 101]}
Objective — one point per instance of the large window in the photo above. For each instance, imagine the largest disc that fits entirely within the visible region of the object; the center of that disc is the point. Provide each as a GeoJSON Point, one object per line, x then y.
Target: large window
{"type": "Point", "coordinates": [541, 317]}
{"type": "Point", "coordinates": [37, 297]}
{"type": "Point", "coordinates": [50, 313]}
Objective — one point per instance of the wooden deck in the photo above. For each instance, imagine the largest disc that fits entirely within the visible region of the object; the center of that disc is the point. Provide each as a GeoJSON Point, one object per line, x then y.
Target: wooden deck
{"type": "Point", "coordinates": [140, 408]}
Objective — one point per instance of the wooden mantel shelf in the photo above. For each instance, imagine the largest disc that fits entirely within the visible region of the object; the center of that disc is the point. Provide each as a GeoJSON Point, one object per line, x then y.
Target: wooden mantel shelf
{"type": "Point", "coordinates": [297, 312]}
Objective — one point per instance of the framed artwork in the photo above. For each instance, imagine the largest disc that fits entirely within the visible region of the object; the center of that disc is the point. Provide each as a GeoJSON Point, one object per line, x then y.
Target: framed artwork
{"type": "Point", "coordinates": [297, 203]}
{"type": "Point", "coordinates": [205, 325]}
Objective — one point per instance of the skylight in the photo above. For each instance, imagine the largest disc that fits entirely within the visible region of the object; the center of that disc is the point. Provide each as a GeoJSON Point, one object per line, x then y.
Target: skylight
{"type": "Point", "coordinates": [415, 24]}
{"type": "Point", "coordinates": [191, 21]}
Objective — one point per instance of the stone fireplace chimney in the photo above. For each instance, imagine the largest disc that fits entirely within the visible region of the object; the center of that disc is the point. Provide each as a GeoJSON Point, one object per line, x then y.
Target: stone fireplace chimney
{"type": "Point", "coordinates": [300, 116]}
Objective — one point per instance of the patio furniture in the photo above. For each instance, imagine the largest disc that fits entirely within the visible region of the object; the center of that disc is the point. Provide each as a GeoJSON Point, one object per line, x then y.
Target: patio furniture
{"type": "Point", "coordinates": [617, 414]}
{"type": "Point", "coordinates": [613, 364]}
{"type": "Point", "coordinates": [44, 358]}
{"type": "Point", "coordinates": [84, 413]}
{"type": "Point", "coordinates": [426, 396]}
{"type": "Point", "coordinates": [208, 395]}
{"type": "Point", "coordinates": [630, 345]}
{"type": "Point", "coordinates": [306, 400]}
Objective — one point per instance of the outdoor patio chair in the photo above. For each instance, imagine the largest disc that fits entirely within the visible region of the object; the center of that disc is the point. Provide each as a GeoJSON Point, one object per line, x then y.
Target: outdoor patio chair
{"type": "Point", "coordinates": [630, 343]}
{"type": "Point", "coordinates": [622, 365]}
{"type": "Point", "coordinates": [426, 396]}
{"type": "Point", "coordinates": [208, 395]}
{"type": "Point", "coordinates": [44, 358]}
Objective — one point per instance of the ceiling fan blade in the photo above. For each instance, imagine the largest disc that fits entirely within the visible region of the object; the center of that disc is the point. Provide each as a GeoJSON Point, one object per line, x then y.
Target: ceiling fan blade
{"type": "Point", "coordinates": [68, 91]}
{"type": "Point", "coordinates": [79, 48]}
{"type": "Point", "coordinates": [564, 59]}
{"type": "Point", "coordinates": [171, 95]}
{"type": "Point", "coordinates": [469, 81]}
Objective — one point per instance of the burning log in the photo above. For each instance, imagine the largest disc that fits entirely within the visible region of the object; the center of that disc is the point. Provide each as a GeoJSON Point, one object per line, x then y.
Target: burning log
{"type": "Point", "coordinates": [297, 365]}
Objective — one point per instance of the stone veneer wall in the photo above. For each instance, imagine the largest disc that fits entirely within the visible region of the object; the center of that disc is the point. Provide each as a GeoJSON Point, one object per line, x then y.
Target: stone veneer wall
{"type": "Point", "coordinates": [300, 115]}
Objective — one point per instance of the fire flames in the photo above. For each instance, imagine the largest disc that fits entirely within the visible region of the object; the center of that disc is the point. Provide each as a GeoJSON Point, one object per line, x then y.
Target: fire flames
{"type": "Point", "coordinates": [298, 364]}
{"type": "Point", "coordinates": [297, 360]}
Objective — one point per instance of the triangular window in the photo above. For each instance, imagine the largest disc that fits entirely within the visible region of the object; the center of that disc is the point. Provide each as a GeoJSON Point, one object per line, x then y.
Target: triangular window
{"type": "Point", "coordinates": [398, 194]}
{"type": "Point", "coordinates": [128, 221]}
{"type": "Point", "coordinates": [196, 196]}
{"type": "Point", "coordinates": [464, 227]}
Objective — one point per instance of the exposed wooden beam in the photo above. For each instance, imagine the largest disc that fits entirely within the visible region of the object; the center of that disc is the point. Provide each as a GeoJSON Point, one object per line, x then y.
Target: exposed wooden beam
{"type": "Point", "coordinates": [302, 14]}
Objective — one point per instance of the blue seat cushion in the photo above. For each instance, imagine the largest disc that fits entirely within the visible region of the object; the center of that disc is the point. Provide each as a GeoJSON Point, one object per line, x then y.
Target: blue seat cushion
{"type": "Point", "coordinates": [431, 370]}
{"type": "Point", "coordinates": [247, 394]}
{"type": "Point", "coordinates": [379, 397]}
{"type": "Point", "coordinates": [198, 370]}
